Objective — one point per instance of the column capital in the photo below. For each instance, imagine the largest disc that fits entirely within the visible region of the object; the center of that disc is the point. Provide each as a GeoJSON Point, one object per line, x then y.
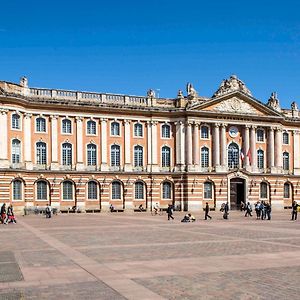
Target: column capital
{"type": "Point", "coordinates": [178, 122]}
{"type": "Point", "coordinates": [53, 117]}
{"type": "Point", "coordinates": [127, 121]}
{"type": "Point", "coordinates": [3, 111]}
{"type": "Point", "coordinates": [197, 124]}
{"type": "Point", "coordinates": [247, 126]}
{"type": "Point", "coordinates": [224, 124]}
{"type": "Point", "coordinates": [296, 132]}
{"type": "Point", "coordinates": [278, 128]}
{"type": "Point", "coordinates": [217, 125]}
{"type": "Point", "coordinates": [103, 120]}
{"type": "Point", "coordinates": [27, 115]}
{"type": "Point", "coordinates": [189, 123]}
{"type": "Point", "coordinates": [253, 126]}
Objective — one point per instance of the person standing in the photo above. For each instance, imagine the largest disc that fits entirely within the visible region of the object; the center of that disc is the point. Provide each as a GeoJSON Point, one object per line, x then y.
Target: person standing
{"type": "Point", "coordinates": [206, 212]}
{"type": "Point", "coordinates": [268, 210]}
{"type": "Point", "coordinates": [294, 210]}
{"type": "Point", "coordinates": [226, 211]}
{"type": "Point", "coordinates": [3, 213]}
{"type": "Point", "coordinates": [257, 210]}
{"type": "Point", "coordinates": [170, 212]}
{"type": "Point", "coordinates": [48, 211]}
{"type": "Point", "coordinates": [248, 210]}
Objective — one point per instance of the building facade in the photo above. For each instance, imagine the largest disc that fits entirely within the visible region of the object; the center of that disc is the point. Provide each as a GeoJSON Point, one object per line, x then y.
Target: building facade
{"type": "Point", "coordinates": [90, 150]}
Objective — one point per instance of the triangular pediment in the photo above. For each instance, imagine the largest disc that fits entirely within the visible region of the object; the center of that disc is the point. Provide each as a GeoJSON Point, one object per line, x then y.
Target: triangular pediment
{"type": "Point", "coordinates": [235, 103]}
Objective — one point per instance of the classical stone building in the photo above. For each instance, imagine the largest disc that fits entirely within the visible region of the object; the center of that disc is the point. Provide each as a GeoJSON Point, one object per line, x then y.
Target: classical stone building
{"type": "Point", "coordinates": [92, 150]}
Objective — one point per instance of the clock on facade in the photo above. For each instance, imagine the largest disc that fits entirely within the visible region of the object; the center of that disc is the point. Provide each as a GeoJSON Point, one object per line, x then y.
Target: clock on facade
{"type": "Point", "coordinates": [233, 131]}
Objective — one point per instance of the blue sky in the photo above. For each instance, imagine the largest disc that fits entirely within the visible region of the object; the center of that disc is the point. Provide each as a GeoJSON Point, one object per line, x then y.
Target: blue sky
{"type": "Point", "coordinates": [131, 46]}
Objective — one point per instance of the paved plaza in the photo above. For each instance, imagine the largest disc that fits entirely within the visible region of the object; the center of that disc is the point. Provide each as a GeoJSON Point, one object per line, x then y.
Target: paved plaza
{"type": "Point", "coordinates": [139, 256]}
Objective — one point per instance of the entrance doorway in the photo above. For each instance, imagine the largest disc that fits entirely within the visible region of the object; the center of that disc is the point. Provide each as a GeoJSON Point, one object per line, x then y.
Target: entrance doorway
{"type": "Point", "coordinates": [237, 193]}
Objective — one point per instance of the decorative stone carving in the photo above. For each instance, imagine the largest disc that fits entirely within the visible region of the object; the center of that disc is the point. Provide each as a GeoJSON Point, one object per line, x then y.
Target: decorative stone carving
{"type": "Point", "coordinates": [235, 105]}
{"type": "Point", "coordinates": [273, 102]}
{"type": "Point", "coordinates": [180, 94]}
{"type": "Point", "coordinates": [150, 93]}
{"type": "Point", "coordinates": [231, 85]}
{"type": "Point", "coordinates": [294, 106]}
{"type": "Point", "coordinates": [191, 91]}
{"type": "Point", "coordinates": [24, 82]}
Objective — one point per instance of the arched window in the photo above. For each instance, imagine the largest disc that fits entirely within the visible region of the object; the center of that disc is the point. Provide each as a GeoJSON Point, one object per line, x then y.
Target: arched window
{"type": "Point", "coordinates": [233, 156]}
{"type": "Point", "coordinates": [260, 135]}
{"type": "Point", "coordinates": [115, 128]}
{"type": "Point", "coordinates": [167, 190]}
{"type": "Point", "coordinates": [15, 121]}
{"type": "Point", "coordinates": [204, 157]}
{"type": "Point", "coordinates": [67, 190]}
{"type": "Point", "coordinates": [116, 190]}
{"type": "Point", "coordinates": [208, 190]}
{"type": "Point", "coordinates": [66, 126]}
{"type": "Point", "coordinates": [91, 155]}
{"type": "Point", "coordinates": [139, 190]}
{"type": "Point", "coordinates": [41, 190]}
{"type": "Point", "coordinates": [138, 156]}
{"type": "Point", "coordinates": [138, 130]}
{"type": "Point", "coordinates": [263, 190]}
{"type": "Point", "coordinates": [286, 190]}
{"type": "Point", "coordinates": [91, 127]}
{"type": "Point", "coordinates": [40, 125]}
{"type": "Point", "coordinates": [17, 189]}
{"type": "Point", "coordinates": [41, 153]}
{"type": "Point", "coordinates": [115, 155]}
{"type": "Point", "coordinates": [15, 151]}
{"type": "Point", "coordinates": [286, 161]}
{"type": "Point", "coordinates": [165, 156]}
{"type": "Point", "coordinates": [260, 159]}
{"type": "Point", "coordinates": [66, 154]}
{"type": "Point", "coordinates": [92, 190]}
{"type": "Point", "coordinates": [285, 138]}
{"type": "Point", "coordinates": [204, 132]}
{"type": "Point", "coordinates": [165, 131]}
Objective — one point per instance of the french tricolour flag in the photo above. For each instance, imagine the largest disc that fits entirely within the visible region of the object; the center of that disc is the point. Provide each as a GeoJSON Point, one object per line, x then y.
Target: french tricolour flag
{"type": "Point", "coordinates": [242, 155]}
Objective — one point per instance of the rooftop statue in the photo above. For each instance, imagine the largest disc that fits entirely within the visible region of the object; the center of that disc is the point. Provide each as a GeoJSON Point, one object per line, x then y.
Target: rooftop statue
{"type": "Point", "coordinates": [150, 93]}
{"type": "Point", "coordinates": [230, 85]}
{"type": "Point", "coordinates": [24, 82]}
{"type": "Point", "coordinates": [191, 91]}
{"type": "Point", "coordinates": [273, 102]}
{"type": "Point", "coordinates": [294, 106]}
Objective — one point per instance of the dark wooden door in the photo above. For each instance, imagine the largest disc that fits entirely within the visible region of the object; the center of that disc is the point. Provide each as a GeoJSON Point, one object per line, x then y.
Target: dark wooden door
{"type": "Point", "coordinates": [233, 195]}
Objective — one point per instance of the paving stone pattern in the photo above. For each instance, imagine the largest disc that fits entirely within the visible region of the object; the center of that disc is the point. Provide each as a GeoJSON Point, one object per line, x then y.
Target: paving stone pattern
{"type": "Point", "coordinates": [139, 256]}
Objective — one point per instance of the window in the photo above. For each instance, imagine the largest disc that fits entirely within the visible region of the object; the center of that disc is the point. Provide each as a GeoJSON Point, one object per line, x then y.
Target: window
{"type": "Point", "coordinates": [116, 190]}
{"type": "Point", "coordinates": [92, 190]}
{"type": "Point", "coordinates": [165, 131]}
{"type": "Point", "coordinates": [233, 156]}
{"type": "Point", "coordinates": [263, 190]}
{"type": "Point", "coordinates": [91, 155]}
{"type": "Point", "coordinates": [15, 121]}
{"type": "Point", "coordinates": [138, 156]}
{"type": "Point", "coordinates": [40, 125]}
{"type": "Point", "coordinates": [17, 190]}
{"type": "Point", "coordinates": [260, 135]}
{"type": "Point", "coordinates": [207, 190]}
{"type": "Point", "coordinates": [286, 190]}
{"type": "Point", "coordinates": [115, 128]}
{"type": "Point", "coordinates": [67, 154]}
{"type": "Point", "coordinates": [204, 132]}
{"type": "Point", "coordinates": [67, 190]}
{"type": "Point", "coordinates": [260, 159]}
{"type": "Point", "coordinates": [115, 156]}
{"type": "Point", "coordinates": [286, 161]}
{"type": "Point", "coordinates": [166, 190]}
{"type": "Point", "coordinates": [139, 190]}
{"type": "Point", "coordinates": [41, 190]}
{"type": "Point", "coordinates": [138, 130]}
{"type": "Point", "coordinates": [15, 151]}
{"type": "Point", "coordinates": [204, 157]}
{"type": "Point", "coordinates": [41, 153]}
{"type": "Point", "coordinates": [91, 127]}
{"type": "Point", "coordinates": [66, 126]}
{"type": "Point", "coordinates": [165, 157]}
{"type": "Point", "coordinates": [285, 138]}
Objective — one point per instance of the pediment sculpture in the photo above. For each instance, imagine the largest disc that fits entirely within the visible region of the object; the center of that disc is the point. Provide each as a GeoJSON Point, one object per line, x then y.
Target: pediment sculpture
{"type": "Point", "coordinates": [235, 105]}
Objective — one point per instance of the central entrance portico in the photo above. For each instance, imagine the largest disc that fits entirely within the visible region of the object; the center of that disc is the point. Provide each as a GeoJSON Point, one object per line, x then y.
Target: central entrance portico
{"type": "Point", "coordinates": [237, 193]}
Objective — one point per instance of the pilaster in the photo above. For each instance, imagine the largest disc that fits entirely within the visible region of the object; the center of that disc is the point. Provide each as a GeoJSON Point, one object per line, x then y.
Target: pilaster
{"type": "Point", "coordinates": [27, 141]}
{"type": "Point", "coordinates": [4, 161]}
{"type": "Point", "coordinates": [104, 165]}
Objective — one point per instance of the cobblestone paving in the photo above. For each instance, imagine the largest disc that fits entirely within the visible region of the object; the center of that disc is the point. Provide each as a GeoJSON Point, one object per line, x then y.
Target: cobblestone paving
{"type": "Point", "coordinates": [139, 256]}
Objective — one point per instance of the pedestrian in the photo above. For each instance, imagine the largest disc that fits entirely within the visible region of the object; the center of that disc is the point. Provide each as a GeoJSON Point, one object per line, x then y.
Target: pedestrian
{"type": "Point", "coordinates": [170, 212]}
{"type": "Point", "coordinates": [294, 210]}
{"type": "Point", "coordinates": [248, 210]}
{"type": "Point", "coordinates": [226, 211]}
{"type": "Point", "coordinates": [262, 209]}
{"type": "Point", "coordinates": [268, 210]}
{"type": "Point", "coordinates": [3, 213]}
{"type": "Point", "coordinates": [257, 210]}
{"type": "Point", "coordinates": [206, 212]}
{"type": "Point", "coordinates": [242, 206]}
{"type": "Point", "coordinates": [48, 211]}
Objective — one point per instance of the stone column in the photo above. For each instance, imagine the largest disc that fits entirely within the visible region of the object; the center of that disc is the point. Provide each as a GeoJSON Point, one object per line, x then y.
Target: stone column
{"type": "Point", "coordinates": [216, 146]}
{"type": "Point", "coordinates": [104, 166]}
{"type": "Point", "coordinates": [271, 161]}
{"type": "Point", "coordinates": [27, 141]}
{"type": "Point", "coordinates": [79, 143]}
{"type": "Point", "coordinates": [127, 143]}
{"type": "Point", "coordinates": [180, 151]}
{"type": "Point", "coordinates": [196, 148]}
{"type": "Point", "coordinates": [149, 147]}
{"type": "Point", "coordinates": [223, 147]}
{"type": "Point", "coordinates": [246, 147]}
{"type": "Point", "coordinates": [278, 149]}
{"type": "Point", "coordinates": [189, 145]}
{"type": "Point", "coordinates": [155, 166]}
{"type": "Point", "coordinates": [54, 143]}
{"type": "Point", "coordinates": [4, 161]}
{"type": "Point", "coordinates": [296, 134]}
{"type": "Point", "coordinates": [253, 148]}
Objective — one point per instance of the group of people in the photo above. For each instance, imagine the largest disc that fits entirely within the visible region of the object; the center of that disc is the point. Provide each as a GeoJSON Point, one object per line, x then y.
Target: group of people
{"type": "Point", "coordinates": [7, 215]}
{"type": "Point", "coordinates": [263, 210]}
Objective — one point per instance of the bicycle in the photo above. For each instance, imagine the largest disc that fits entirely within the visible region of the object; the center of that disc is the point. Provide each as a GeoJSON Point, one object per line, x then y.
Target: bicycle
{"type": "Point", "coordinates": [158, 212]}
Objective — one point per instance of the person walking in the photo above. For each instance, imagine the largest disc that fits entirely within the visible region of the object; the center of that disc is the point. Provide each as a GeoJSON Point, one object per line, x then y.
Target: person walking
{"type": "Point", "coordinates": [248, 210]}
{"type": "Point", "coordinates": [48, 211]}
{"type": "Point", "coordinates": [226, 211]}
{"type": "Point", "coordinates": [206, 212]}
{"type": "Point", "coordinates": [170, 212]}
{"type": "Point", "coordinates": [294, 210]}
{"type": "Point", "coordinates": [3, 213]}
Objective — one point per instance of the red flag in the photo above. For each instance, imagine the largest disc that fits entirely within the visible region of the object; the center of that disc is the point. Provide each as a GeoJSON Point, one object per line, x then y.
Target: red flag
{"type": "Point", "coordinates": [249, 156]}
